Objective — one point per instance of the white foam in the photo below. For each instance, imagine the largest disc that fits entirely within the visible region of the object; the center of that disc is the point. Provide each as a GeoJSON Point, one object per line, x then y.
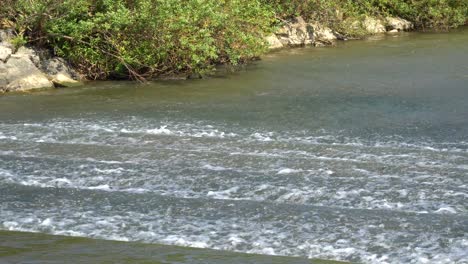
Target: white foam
{"type": "Point", "coordinates": [10, 225]}
{"type": "Point", "coordinates": [251, 235]}
{"type": "Point", "coordinates": [104, 187]}
{"type": "Point", "coordinates": [110, 171]}
{"type": "Point", "coordinates": [8, 137]}
{"type": "Point", "coordinates": [183, 241]}
{"type": "Point", "coordinates": [62, 182]}
{"type": "Point", "coordinates": [124, 130]}
{"type": "Point", "coordinates": [225, 194]}
{"type": "Point", "coordinates": [446, 210]}
{"type": "Point", "coordinates": [160, 131]}
{"type": "Point", "coordinates": [420, 177]}
{"type": "Point", "coordinates": [97, 127]}
{"type": "Point", "coordinates": [214, 168]}
{"type": "Point", "coordinates": [288, 171]}
{"type": "Point", "coordinates": [294, 196]}
{"type": "Point", "coordinates": [47, 222]}
{"type": "Point", "coordinates": [104, 161]}
{"type": "Point", "coordinates": [266, 137]}
{"type": "Point", "coordinates": [212, 134]}
{"type": "Point", "coordinates": [236, 240]}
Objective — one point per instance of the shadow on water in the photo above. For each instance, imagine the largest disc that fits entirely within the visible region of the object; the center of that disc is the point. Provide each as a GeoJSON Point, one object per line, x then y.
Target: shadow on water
{"type": "Point", "coordinates": [19, 247]}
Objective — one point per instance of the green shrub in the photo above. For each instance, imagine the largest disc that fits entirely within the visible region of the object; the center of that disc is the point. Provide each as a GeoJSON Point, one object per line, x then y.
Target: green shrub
{"type": "Point", "coordinates": [426, 14]}
{"type": "Point", "coordinates": [145, 38]}
{"type": "Point", "coordinates": [150, 38]}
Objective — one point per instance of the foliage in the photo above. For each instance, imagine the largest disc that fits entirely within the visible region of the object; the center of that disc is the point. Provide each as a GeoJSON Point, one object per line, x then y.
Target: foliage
{"type": "Point", "coordinates": [150, 38]}
{"type": "Point", "coordinates": [146, 38]}
{"type": "Point", "coordinates": [434, 14]}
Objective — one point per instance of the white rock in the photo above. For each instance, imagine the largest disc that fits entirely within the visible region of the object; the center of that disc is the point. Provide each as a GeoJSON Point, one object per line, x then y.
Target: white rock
{"type": "Point", "coordinates": [374, 25]}
{"type": "Point", "coordinates": [323, 33]}
{"type": "Point", "coordinates": [399, 24]}
{"type": "Point", "coordinates": [30, 53]}
{"type": "Point", "coordinates": [64, 80]}
{"type": "Point", "coordinates": [6, 35]}
{"type": "Point", "coordinates": [23, 75]}
{"type": "Point", "coordinates": [273, 42]}
{"type": "Point", "coordinates": [5, 53]}
{"type": "Point", "coordinates": [296, 33]}
{"type": "Point", "coordinates": [60, 72]}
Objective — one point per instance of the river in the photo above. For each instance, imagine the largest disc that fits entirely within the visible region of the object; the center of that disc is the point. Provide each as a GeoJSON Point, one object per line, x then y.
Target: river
{"type": "Point", "coordinates": [356, 153]}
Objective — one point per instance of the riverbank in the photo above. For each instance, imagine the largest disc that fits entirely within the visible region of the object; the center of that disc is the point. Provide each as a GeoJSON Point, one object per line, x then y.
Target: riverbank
{"type": "Point", "coordinates": [28, 68]}
{"type": "Point", "coordinates": [25, 68]}
{"type": "Point", "coordinates": [299, 33]}
{"type": "Point", "coordinates": [146, 40]}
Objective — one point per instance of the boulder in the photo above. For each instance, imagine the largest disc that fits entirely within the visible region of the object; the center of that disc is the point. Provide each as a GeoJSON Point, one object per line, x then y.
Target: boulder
{"type": "Point", "coordinates": [399, 24]}
{"type": "Point", "coordinates": [273, 42]}
{"type": "Point", "coordinates": [6, 35]}
{"type": "Point", "coordinates": [3, 80]}
{"type": "Point", "coordinates": [296, 33]}
{"type": "Point", "coordinates": [60, 72]}
{"type": "Point", "coordinates": [23, 75]}
{"type": "Point", "coordinates": [5, 53]}
{"type": "Point", "coordinates": [323, 33]}
{"type": "Point", "coordinates": [64, 80]}
{"type": "Point", "coordinates": [373, 25]}
{"type": "Point", "coordinates": [29, 53]}
{"type": "Point", "coordinates": [28, 69]}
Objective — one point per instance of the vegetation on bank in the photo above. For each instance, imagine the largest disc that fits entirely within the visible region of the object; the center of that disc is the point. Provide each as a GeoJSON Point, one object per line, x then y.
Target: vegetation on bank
{"type": "Point", "coordinates": [425, 14]}
{"type": "Point", "coordinates": [155, 38]}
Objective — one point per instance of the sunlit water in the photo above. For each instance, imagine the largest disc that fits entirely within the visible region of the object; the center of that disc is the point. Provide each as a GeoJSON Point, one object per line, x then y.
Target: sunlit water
{"type": "Point", "coordinates": [355, 153]}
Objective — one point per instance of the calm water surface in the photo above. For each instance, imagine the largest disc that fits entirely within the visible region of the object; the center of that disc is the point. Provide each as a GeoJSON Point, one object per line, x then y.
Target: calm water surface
{"type": "Point", "coordinates": [356, 153]}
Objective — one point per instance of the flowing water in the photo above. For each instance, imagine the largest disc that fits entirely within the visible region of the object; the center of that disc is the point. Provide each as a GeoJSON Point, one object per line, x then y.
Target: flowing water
{"type": "Point", "coordinates": [356, 153]}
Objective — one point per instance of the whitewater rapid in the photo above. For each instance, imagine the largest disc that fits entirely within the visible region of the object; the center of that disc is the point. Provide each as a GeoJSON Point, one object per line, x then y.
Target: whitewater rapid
{"type": "Point", "coordinates": [316, 194]}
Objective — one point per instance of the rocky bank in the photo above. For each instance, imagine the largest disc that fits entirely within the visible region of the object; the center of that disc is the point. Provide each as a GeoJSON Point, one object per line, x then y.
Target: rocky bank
{"type": "Point", "coordinates": [298, 32]}
{"type": "Point", "coordinates": [26, 69]}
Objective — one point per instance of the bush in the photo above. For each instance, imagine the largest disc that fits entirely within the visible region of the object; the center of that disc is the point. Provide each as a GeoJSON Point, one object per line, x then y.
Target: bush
{"type": "Point", "coordinates": [152, 38]}
{"type": "Point", "coordinates": [145, 38]}
{"type": "Point", "coordinates": [426, 14]}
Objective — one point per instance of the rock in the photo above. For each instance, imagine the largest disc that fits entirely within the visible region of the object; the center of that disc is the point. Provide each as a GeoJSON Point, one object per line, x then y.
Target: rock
{"type": "Point", "coordinates": [8, 45]}
{"type": "Point", "coordinates": [399, 24]}
{"type": "Point", "coordinates": [3, 80]}
{"type": "Point", "coordinates": [23, 75]}
{"type": "Point", "coordinates": [28, 68]}
{"type": "Point", "coordinates": [323, 36]}
{"type": "Point", "coordinates": [296, 33]}
{"type": "Point", "coordinates": [3, 83]}
{"type": "Point", "coordinates": [6, 35]}
{"type": "Point", "coordinates": [393, 31]}
{"type": "Point", "coordinates": [30, 53]}
{"type": "Point", "coordinates": [273, 42]}
{"type": "Point", "coordinates": [59, 71]}
{"type": "Point", "coordinates": [63, 80]}
{"type": "Point", "coordinates": [323, 33]}
{"type": "Point", "coordinates": [319, 43]}
{"type": "Point", "coordinates": [373, 25]}
{"type": "Point", "coordinates": [5, 53]}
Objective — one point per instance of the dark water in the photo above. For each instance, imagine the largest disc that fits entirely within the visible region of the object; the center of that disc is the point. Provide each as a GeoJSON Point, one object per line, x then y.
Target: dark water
{"type": "Point", "coordinates": [35, 248]}
{"type": "Point", "coordinates": [355, 153]}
